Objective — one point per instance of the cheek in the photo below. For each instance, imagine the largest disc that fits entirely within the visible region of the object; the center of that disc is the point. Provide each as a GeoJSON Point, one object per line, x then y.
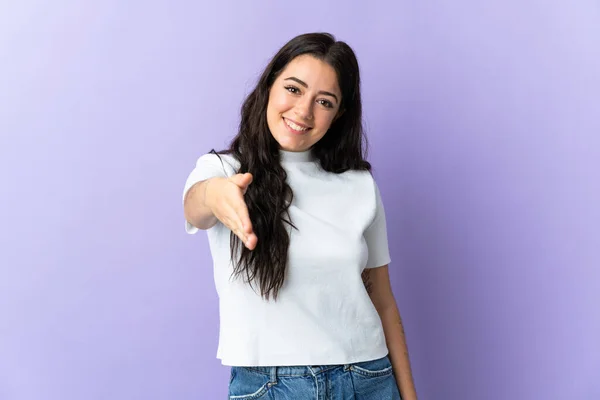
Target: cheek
{"type": "Point", "coordinates": [324, 121]}
{"type": "Point", "coordinates": [279, 102]}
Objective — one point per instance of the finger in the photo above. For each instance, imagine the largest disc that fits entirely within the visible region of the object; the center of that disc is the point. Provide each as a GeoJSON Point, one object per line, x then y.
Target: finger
{"type": "Point", "coordinates": [252, 241]}
{"type": "Point", "coordinates": [243, 238]}
{"type": "Point", "coordinates": [236, 224]}
{"type": "Point", "coordinates": [244, 217]}
{"type": "Point", "coordinates": [233, 227]}
{"type": "Point", "coordinates": [231, 222]}
{"type": "Point", "coordinates": [247, 237]}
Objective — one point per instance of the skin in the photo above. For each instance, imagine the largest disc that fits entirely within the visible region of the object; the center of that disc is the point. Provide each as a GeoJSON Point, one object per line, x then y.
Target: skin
{"type": "Point", "coordinates": [306, 93]}
{"type": "Point", "coordinates": [377, 284]}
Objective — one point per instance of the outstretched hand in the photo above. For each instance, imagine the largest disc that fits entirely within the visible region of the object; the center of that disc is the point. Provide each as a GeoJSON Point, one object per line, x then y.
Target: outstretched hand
{"type": "Point", "coordinates": [225, 197]}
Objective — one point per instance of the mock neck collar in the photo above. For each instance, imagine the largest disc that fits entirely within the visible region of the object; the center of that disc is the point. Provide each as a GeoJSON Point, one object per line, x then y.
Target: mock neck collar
{"type": "Point", "coordinates": [296, 156]}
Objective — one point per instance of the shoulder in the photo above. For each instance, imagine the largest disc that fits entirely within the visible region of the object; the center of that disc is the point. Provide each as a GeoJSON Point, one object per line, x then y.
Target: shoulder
{"type": "Point", "coordinates": [366, 183]}
{"type": "Point", "coordinates": [226, 162]}
{"type": "Point", "coordinates": [361, 178]}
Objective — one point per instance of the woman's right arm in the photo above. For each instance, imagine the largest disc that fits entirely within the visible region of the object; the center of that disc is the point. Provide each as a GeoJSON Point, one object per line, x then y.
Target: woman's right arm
{"type": "Point", "coordinates": [195, 208]}
{"type": "Point", "coordinates": [221, 199]}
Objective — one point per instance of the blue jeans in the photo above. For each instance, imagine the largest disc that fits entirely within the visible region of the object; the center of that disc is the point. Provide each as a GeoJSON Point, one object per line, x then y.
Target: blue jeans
{"type": "Point", "coordinates": [370, 380]}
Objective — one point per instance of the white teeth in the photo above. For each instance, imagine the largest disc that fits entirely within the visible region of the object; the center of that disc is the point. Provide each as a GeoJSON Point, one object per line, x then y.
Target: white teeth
{"type": "Point", "coordinates": [294, 126]}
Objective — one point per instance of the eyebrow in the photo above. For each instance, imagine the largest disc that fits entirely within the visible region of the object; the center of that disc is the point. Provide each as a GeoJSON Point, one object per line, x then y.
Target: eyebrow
{"type": "Point", "coordinates": [293, 78]}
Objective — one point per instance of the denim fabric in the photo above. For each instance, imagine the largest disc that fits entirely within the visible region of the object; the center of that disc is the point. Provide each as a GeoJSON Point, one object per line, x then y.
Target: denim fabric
{"type": "Point", "coordinates": [370, 380]}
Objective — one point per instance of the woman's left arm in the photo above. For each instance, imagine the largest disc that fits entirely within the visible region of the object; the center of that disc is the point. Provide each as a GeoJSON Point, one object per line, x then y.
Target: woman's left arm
{"type": "Point", "coordinates": [377, 283]}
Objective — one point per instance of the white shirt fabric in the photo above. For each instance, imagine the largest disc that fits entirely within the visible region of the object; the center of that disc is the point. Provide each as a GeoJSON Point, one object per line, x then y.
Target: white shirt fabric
{"type": "Point", "coordinates": [323, 314]}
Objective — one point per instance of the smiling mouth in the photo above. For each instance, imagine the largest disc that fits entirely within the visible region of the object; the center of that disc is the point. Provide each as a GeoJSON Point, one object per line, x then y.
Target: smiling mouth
{"type": "Point", "coordinates": [296, 127]}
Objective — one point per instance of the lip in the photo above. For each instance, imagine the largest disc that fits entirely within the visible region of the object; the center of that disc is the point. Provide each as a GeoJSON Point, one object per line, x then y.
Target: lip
{"type": "Point", "coordinates": [297, 123]}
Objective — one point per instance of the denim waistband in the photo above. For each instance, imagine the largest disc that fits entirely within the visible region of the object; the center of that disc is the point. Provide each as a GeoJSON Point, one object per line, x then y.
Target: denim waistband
{"type": "Point", "coordinates": [295, 370]}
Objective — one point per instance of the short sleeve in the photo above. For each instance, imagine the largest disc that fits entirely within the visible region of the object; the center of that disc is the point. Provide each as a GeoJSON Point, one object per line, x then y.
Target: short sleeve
{"type": "Point", "coordinates": [208, 166]}
{"type": "Point", "coordinates": [376, 236]}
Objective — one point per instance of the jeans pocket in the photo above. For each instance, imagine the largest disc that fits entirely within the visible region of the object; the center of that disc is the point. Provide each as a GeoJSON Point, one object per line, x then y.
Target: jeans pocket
{"type": "Point", "coordinates": [247, 385]}
{"type": "Point", "coordinates": [374, 380]}
{"type": "Point", "coordinates": [374, 368]}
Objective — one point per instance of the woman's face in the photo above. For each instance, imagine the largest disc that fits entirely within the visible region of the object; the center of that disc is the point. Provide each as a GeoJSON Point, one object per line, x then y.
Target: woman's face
{"type": "Point", "coordinates": [303, 102]}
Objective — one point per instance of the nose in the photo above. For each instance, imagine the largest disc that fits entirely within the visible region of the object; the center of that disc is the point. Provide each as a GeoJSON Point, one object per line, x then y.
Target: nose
{"type": "Point", "coordinates": [304, 109]}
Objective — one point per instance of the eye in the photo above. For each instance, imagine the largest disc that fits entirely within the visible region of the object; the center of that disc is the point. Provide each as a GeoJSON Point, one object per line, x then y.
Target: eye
{"type": "Point", "coordinates": [325, 103]}
{"type": "Point", "coordinates": [292, 89]}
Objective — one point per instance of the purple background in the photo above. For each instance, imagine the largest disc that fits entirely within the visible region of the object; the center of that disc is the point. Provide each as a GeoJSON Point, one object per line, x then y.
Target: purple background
{"type": "Point", "coordinates": [484, 126]}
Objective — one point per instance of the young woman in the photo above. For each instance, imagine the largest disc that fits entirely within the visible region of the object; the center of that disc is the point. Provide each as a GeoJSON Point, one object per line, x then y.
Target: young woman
{"type": "Point", "coordinates": [297, 233]}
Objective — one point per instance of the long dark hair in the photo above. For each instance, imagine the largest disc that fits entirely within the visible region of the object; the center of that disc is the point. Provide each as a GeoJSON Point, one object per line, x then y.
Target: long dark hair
{"type": "Point", "coordinates": [269, 196]}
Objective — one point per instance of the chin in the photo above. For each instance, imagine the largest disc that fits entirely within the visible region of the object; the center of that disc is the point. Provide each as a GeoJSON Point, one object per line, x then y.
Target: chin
{"type": "Point", "coordinates": [291, 148]}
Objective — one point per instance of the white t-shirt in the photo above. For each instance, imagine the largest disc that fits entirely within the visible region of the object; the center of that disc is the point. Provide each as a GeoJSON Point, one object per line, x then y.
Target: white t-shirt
{"type": "Point", "coordinates": [323, 314]}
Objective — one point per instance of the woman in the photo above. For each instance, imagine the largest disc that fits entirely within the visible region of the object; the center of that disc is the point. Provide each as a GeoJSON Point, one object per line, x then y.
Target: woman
{"type": "Point", "coordinates": [297, 233]}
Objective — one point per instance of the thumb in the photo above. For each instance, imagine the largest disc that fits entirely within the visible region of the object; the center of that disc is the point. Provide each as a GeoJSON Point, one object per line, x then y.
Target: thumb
{"type": "Point", "coordinates": [242, 180]}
